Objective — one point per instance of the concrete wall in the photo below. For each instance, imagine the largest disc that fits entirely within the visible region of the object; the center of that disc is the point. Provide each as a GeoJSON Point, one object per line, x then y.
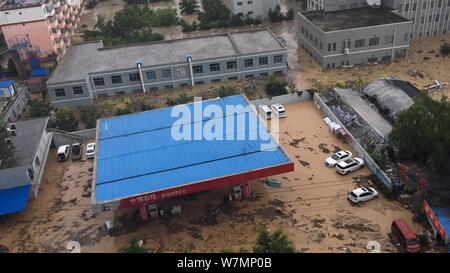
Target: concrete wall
{"type": "Point", "coordinates": [284, 99]}
{"type": "Point", "coordinates": [177, 78]}
{"type": "Point", "coordinates": [334, 5]}
{"type": "Point", "coordinates": [316, 43]}
{"type": "Point", "coordinates": [254, 8]}
{"type": "Point", "coordinates": [40, 160]}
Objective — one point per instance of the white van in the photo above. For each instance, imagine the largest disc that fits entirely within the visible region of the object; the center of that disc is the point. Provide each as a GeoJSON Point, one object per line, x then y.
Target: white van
{"type": "Point", "coordinates": [63, 153]}
{"type": "Point", "coordinates": [265, 111]}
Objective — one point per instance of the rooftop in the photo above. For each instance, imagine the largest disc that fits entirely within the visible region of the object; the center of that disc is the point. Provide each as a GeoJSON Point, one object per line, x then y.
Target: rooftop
{"type": "Point", "coordinates": [91, 57]}
{"type": "Point", "coordinates": [6, 83]}
{"type": "Point", "coordinates": [26, 141]}
{"type": "Point", "coordinates": [352, 18]}
{"type": "Point", "coordinates": [137, 153]}
{"type": "Point", "coordinates": [12, 4]}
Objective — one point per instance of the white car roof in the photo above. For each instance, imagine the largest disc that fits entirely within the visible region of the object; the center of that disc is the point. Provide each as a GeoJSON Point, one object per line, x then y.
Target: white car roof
{"type": "Point", "coordinates": [359, 191]}
{"type": "Point", "coordinates": [91, 145]}
{"type": "Point", "coordinates": [62, 149]}
{"type": "Point", "coordinates": [340, 153]}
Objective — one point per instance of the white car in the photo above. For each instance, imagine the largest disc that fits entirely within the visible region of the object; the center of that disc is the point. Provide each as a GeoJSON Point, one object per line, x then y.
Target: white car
{"type": "Point", "coordinates": [337, 157]}
{"type": "Point", "coordinates": [279, 110]}
{"type": "Point", "coordinates": [90, 150]}
{"type": "Point", "coordinates": [349, 165]}
{"type": "Point", "coordinates": [362, 194]}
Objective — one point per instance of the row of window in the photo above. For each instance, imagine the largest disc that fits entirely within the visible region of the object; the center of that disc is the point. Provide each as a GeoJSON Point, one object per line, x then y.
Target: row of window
{"type": "Point", "coordinates": [424, 5]}
{"type": "Point", "coordinates": [181, 72]}
{"type": "Point", "coordinates": [60, 92]}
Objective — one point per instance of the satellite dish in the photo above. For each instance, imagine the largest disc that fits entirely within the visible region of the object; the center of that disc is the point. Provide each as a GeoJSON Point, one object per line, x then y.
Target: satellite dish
{"type": "Point", "coordinates": [370, 2]}
{"type": "Point", "coordinates": [377, 2]}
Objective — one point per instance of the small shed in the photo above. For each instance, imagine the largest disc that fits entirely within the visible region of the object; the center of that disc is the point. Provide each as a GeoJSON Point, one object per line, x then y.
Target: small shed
{"type": "Point", "coordinates": [7, 89]}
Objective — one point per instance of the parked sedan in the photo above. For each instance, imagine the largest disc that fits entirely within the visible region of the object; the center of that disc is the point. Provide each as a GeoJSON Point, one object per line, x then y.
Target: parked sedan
{"type": "Point", "coordinates": [349, 165]}
{"type": "Point", "coordinates": [362, 194]}
{"type": "Point", "coordinates": [90, 150]}
{"type": "Point", "coordinates": [337, 157]}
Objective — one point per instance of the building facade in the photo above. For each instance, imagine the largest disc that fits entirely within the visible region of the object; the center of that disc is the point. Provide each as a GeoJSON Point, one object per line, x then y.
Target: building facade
{"type": "Point", "coordinates": [252, 8]}
{"type": "Point", "coordinates": [334, 5]}
{"type": "Point", "coordinates": [31, 143]}
{"type": "Point", "coordinates": [89, 70]}
{"type": "Point", "coordinates": [354, 36]}
{"type": "Point", "coordinates": [12, 106]}
{"type": "Point", "coordinates": [42, 26]}
{"type": "Point", "coordinates": [430, 17]}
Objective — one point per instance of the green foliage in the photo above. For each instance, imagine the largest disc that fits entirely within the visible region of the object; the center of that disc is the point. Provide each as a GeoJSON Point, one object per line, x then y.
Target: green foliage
{"type": "Point", "coordinates": [132, 25]}
{"type": "Point", "coordinates": [340, 84]}
{"type": "Point", "coordinates": [12, 68]}
{"type": "Point", "coordinates": [146, 107]}
{"type": "Point", "coordinates": [276, 87]}
{"type": "Point", "coordinates": [189, 6]}
{"type": "Point", "coordinates": [122, 111]}
{"type": "Point", "coordinates": [311, 91]}
{"type": "Point", "coordinates": [276, 242]}
{"type": "Point", "coordinates": [89, 115]}
{"type": "Point", "coordinates": [229, 250]}
{"type": "Point", "coordinates": [65, 120]}
{"type": "Point", "coordinates": [277, 16]}
{"type": "Point", "coordinates": [422, 133]}
{"type": "Point", "coordinates": [182, 99]}
{"type": "Point", "coordinates": [131, 2]}
{"type": "Point", "coordinates": [38, 108]}
{"type": "Point", "coordinates": [445, 49]}
{"type": "Point", "coordinates": [133, 247]}
{"type": "Point", "coordinates": [226, 90]}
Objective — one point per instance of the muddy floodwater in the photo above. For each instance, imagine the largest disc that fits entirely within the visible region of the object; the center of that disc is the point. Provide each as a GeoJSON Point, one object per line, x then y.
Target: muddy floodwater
{"type": "Point", "coordinates": [310, 206]}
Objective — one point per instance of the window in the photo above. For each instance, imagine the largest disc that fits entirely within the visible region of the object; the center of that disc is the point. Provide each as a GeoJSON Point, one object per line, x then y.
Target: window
{"type": "Point", "coordinates": [181, 72]}
{"type": "Point", "coordinates": [214, 67]}
{"type": "Point", "coordinates": [231, 65]}
{"type": "Point", "coordinates": [389, 39]}
{"type": "Point", "coordinates": [374, 41]}
{"type": "Point", "coordinates": [59, 92]}
{"type": "Point", "coordinates": [77, 90]}
{"type": "Point", "coordinates": [168, 86]}
{"type": "Point", "coordinates": [232, 78]}
{"type": "Point", "coordinates": [248, 63]}
{"type": "Point", "coordinates": [116, 79]}
{"type": "Point", "coordinates": [134, 77]}
{"type": "Point", "coordinates": [372, 60]}
{"type": "Point", "coordinates": [216, 80]}
{"type": "Point", "coordinates": [198, 69]}
{"type": "Point", "coordinates": [166, 73]}
{"type": "Point", "coordinates": [99, 81]}
{"type": "Point", "coordinates": [199, 82]}
{"type": "Point", "coordinates": [151, 75]}
{"type": "Point", "coordinates": [263, 61]}
{"type": "Point", "coordinates": [250, 76]}
{"type": "Point", "coordinates": [118, 93]}
{"type": "Point", "coordinates": [278, 59]}
{"type": "Point", "coordinates": [360, 43]}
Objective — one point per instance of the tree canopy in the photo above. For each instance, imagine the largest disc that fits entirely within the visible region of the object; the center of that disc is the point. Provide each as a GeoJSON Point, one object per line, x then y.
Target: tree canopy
{"type": "Point", "coordinates": [422, 133]}
{"type": "Point", "coordinates": [276, 242]}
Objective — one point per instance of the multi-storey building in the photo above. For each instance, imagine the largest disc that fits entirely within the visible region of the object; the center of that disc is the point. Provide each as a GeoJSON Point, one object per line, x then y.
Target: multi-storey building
{"type": "Point", "coordinates": [44, 26]}
{"type": "Point", "coordinates": [354, 36]}
{"type": "Point", "coordinates": [430, 17]}
{"type": "Point", "coordinates": [89, 70]}
{"type": "Point", "coordinates": [252, 8]}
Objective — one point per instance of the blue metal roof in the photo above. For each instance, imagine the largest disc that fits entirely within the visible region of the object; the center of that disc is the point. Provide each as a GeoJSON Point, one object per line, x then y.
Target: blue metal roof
{"type": "Point", "coordinates": [39, 72]}
{"type": "Point", "coordinates": [13, 199]}
{"type": "Point", "coordinates": [443, 215]}
{"type": "Point", "coordinates": [137, 154]}
{"type": "Point", "coordinates": [6, 83]}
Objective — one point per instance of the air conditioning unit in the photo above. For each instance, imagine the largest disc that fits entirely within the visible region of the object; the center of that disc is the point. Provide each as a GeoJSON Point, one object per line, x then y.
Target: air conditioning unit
{"type": "Point", "coordinates": [11, 132]}
{"type": "Point", "coordinates": [12, 126]}
{"type": "Point", "coordinates": [346, 51]}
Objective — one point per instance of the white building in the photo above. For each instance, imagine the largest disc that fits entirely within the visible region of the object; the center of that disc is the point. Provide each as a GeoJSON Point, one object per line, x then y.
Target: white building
{"type": "Point", "coordinates": [252, 8]}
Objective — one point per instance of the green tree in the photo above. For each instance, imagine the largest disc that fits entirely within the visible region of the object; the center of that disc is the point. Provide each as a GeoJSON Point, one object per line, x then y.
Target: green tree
{"type": "Point", "coordinates": [189, 6]}
{"type": "Point", "coordinates": [65, 120]}
{"type": "Point", "coordinates": [276, 87]}
{"type": "Point", "coordinates": [12, 68]}
{"type": "Point", "coordinates": [276, 242]}
{"type": "Point", "coordinates": [134, 246]}
{"type": "Point", "coordinates": [89, 115]}
{"type": "Point", "coordinates": [38, 108]}
{"type": "Point", "coordinates": [422, 132]}
{"type": "Point", "coordinates": [226, 90]}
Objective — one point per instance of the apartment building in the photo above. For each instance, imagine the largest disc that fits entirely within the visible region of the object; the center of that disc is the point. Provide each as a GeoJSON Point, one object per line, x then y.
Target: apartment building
{"type": "Point", "coordinates": [252, 8]}
{"type": "Point", "coordinates": [354, 36]}
{"type": "Point", "coordinates": [430, 17]}
{"type": "Point", "coordinates": [89, 70]}
{"type": "Point", "coordinates": [42, 26]}
{"type": "Point", "coordinates": [334, 5]}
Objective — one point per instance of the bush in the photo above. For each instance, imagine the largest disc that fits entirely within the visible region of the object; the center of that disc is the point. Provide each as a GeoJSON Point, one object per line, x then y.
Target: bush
{"type": "Point", "coordinates": [146, 107]}
{"type": "Point", "coordinates": [276, 87]}
{"type": "Point", "coordinates": [133, 247]}
{"type": "Point", "coordinates": [340, 84]}
{"type": "Point", "coordinates": [226, 90]}
{"type": "Point", "coordinates": [276, 242]}
{"type": "Point", "coordinates": [182, 99]}
{"type": "Point", "coordinates": [124, 111]}
{"type": "Point", "coordinates": [64, 120]}
{"type": "Point", "coordinates": [38, 108]}
{"type": "Point", "coordinates": [89, 115]}
{"type": "Point", "coordinates": [445, 49]}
